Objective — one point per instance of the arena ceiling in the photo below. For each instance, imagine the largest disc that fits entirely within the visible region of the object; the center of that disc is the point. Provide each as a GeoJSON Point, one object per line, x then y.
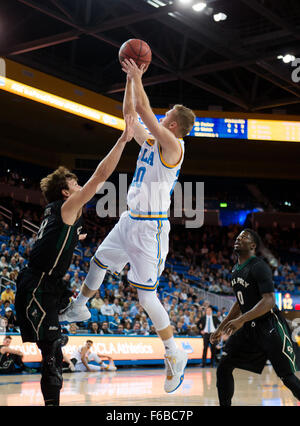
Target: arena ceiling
{"type": "Point", "coordinates": [232, 63]}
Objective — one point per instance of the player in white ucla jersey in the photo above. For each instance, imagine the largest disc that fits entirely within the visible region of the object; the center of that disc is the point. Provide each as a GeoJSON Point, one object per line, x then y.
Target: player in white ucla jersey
{"type": "Point", "coordinates": [141, 237]}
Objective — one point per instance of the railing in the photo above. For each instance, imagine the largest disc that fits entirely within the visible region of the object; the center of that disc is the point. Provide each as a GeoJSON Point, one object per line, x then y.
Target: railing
{"type": "Point", "coordinates": [29, 226]}
{"type": "Point", "coordinates": [7, 214]}
{"type": "Point", "coordinates": [214, 299]}
{"type": "Point", "coordinates": [6, 281]}
{"type": "Point", "coordinates": [217, 300]}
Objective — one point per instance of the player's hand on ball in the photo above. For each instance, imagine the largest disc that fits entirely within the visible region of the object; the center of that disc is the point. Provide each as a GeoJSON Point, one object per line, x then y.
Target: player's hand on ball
{"type": "Point", "coordinates": [132, 70]}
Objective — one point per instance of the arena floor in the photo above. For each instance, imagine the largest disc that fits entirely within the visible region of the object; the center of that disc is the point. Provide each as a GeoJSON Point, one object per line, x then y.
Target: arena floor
{"type": "Point", "coordinates": [144, 387]}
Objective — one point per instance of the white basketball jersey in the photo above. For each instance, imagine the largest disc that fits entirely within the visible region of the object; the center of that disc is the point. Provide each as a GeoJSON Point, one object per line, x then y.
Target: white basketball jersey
{"type": "Point", "coordinates": [153, 182]}
{"type": "Point", "coordinates": [77, 353]}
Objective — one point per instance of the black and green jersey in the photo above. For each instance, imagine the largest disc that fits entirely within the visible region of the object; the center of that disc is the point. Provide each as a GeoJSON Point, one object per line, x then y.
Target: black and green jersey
{"type": "Point", "coordinates": [53, 250]}
{"type": "Point", "coordinates": [250, 280]}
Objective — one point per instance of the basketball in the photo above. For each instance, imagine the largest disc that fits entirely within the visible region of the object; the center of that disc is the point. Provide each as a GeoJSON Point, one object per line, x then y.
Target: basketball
{"type": "Point", "coordinates": [136, 49]}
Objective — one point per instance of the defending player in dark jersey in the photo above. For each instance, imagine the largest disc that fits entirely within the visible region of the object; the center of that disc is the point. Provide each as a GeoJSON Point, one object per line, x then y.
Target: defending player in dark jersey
{"type": "Point", "coordinates": [257, 330]}
{"type": "Point", "coordinates": [41, 293]}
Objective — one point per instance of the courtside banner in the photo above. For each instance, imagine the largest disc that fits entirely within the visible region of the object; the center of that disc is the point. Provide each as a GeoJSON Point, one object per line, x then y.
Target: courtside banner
{"type": "Point", "coordinates": [120, 348]}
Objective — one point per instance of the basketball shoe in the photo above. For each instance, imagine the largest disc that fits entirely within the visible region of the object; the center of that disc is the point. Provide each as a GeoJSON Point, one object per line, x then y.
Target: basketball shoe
{"type": "Point", "coordinates": [175, 365]}
{"type": "Point", "coordinates": [108, 367]}
{"type": "Point", "coordinates": [75, 313]}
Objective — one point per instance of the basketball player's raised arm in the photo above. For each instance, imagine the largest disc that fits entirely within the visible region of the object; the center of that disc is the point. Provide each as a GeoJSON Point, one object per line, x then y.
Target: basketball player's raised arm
{"type": "Point", "coordinates": [165, 138]}
{"type": "Point", "coordinates": [77, 200]}
{"type": "Point", "coordinates": [140, 133]}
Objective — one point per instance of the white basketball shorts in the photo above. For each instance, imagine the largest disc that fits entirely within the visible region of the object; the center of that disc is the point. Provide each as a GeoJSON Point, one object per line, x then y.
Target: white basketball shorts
{"type": "Point", "coordinates": [140, 240]}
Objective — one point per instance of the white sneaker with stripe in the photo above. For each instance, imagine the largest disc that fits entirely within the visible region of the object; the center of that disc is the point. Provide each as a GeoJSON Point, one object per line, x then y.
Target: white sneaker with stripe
{"type": "Point", "coordinates": [175, 365]}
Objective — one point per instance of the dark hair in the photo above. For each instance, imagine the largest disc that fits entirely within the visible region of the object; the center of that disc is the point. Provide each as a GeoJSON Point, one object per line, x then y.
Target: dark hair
{"type": "Point", "coordinates": [255, 237]}
{"type": "Point", "coordinates": [89, 341]}
{"type": "Point", "coordinates": [52, 185]}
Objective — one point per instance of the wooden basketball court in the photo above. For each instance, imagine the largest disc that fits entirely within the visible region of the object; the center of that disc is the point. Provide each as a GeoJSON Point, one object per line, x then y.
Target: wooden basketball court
{"type": "Point", "coordinates": [144, 387]}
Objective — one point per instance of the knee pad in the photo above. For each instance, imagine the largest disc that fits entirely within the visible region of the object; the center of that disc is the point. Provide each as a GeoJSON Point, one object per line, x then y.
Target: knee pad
{"type": "Point", "coordinates": [94, 277]}
{"type": "Point", "coordinates": [157, 313]}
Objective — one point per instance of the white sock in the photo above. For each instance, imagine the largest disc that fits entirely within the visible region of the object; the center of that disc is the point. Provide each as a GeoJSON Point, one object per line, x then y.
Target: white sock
{"type": "Point", "coordinates": [81, 299]}
{"type": "Point", "coordinates": [170, 345]}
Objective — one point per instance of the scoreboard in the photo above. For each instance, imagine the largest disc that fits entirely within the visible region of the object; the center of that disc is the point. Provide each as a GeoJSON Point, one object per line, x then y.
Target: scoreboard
{"type": "Point", "coordinates": [220, 128]}
{"type": "Point", "coordinates": [274, 130]}
{"type": "Point", "coordinates": [248, 129]}
{"type": "Point", "coordinates": [287, 301]}
{"type": "Point", "coordinates": [215, 128]}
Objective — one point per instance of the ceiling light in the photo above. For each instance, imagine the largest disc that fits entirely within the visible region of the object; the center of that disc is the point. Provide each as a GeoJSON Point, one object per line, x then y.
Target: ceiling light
{"type": "Point", "coordinates": [286, 58]}
{"type": "Point", "coordinates": [157, 3]}
{"type": "Point", "coordinates": [152, 3]}
{"type": "Point", "coordinates": [198, 7]}
{"type": "Point", "coordinates": [185, 1]}
{"type": "Point", "coordinates": [220, 17]}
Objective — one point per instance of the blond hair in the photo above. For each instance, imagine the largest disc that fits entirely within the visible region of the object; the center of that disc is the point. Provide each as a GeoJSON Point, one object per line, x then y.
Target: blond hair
{"type": "Point", "coordinates": [185, 119]}
{"type": "Point", "coordinates": [53, 184]}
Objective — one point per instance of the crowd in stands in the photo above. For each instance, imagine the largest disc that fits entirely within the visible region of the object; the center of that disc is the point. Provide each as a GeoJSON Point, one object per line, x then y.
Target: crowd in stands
{"type": "Point", "coordinates": [198, 259]}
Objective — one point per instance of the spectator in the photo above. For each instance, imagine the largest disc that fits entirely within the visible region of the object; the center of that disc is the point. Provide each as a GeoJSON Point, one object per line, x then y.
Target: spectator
{"type": "Point", "coordinates": [32, 240]}
{"type": "Point", "coordinates": [181, 328]}
{"type": "Point", "coordinates": [167, 303]}
{"type": "Point", "coordinates": [134, 310]}
{"type": "Point", "coordinates": [106, 308]}
{"type": "Point", "coordinates": [67, 278]}
{"type": "Point", "coordinates": [116, 321]}
{"type": "Point", "coordinates": [128, 328]}
{"type": "Point", "coordinates": [76, 280]}
{"type": "Point", "coordinates": [22, 247]}
{"type": "Point", "coordinates": [116, 306]}
{"type": "Point", "coordinates": [8, 295]}
{"type": "Point", "coordinates": [125, 318]}
{"type": "Point", "coordinates": [5, 272]}
{"type": "Point", "coordinates": [105, 328]}
{"type": "Point", "coordinates": [11, 318]}
{"type": "Point", "coordinates": [136, 330]}
{"type": "Point", "coordinates": [72, 328]}
{"type": "Point", "coordinates": [96, 301]}
{"type": "Point", "coordinates": [3, 263]}
{"type": "Point", "coordinates": [119, 329]}
{"type": "Point", "coordinates": [94, 328]}
{"type": "Point", "coordinates": [152, 331]}
{"type": "Point", "coordinates": [145, 327]}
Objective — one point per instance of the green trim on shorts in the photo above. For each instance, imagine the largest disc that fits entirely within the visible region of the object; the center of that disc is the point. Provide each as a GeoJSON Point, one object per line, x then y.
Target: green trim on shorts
{"type": "Point", "coordinates": [287, 345]}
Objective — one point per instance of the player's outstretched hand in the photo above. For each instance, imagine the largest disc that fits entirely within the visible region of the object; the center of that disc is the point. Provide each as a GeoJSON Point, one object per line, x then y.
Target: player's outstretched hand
{"type": "Point", "coordinates": [132, 70]}
{"type": "Point", "coordinates": [128, 132]}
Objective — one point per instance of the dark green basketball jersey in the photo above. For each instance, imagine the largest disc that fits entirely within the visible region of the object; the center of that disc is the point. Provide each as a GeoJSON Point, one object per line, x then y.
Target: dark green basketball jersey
{"type": "Point", "coordinates": [53, 250]}
{"type": "Point", "coordinates": [250, 280]}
